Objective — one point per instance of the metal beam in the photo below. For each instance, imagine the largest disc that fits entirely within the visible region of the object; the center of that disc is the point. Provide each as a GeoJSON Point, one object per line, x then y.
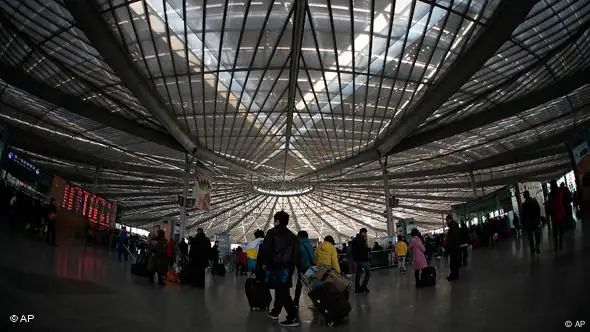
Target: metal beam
{"type": "Point", "coordinates": [249, 196]}
{"type": "Point", "coordinates": [445, 198]}
{"type": "Point", "coordinates": [138, 183]}
{"type": "Point", "coordinates": [506, 19]}
{"type": "Point", "coordinates": [32, 142]}
{"type": "Point", "coordinates": [21, 80]}
{"type": "Point", "coordinates": [296, 41]}
{"type": "Point", "coordinates": [89, 20]}
{"type": "Point", "coordinates": [347, 216]}
{"type": "Point", "coordinates": [545, 147]}
{"type": "Point", "coordinates": [424, 209]}
{"type": "Point", "coordinates": [270, 215]}
{"type": "Point", "coordinates": [494, 182]}
{"type": "Point", "coordinates": [262, 199]}
{"type": "Point", "coordinates": [145, 206]}
{"type": "Point", "coordinates": [330, 226]}
{"type": "Point", "coordinates": [294, 217]}
{"type": "Point", "coordinates": [499, 112]}
{"type": "Point", "coordinates": [373, 211]}
{"type": "Point", "coordinates": [268, 201]}
{"type": "Point", "coordinates": [123, 195]}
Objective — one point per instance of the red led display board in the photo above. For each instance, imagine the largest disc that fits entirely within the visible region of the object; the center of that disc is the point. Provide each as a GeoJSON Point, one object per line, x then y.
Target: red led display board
{"type": "Point", "coordinates": [80, 202]}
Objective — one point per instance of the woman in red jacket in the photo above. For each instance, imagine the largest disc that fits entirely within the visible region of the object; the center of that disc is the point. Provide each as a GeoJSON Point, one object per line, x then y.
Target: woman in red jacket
{"type": "Point", "coordinates": [170, 252]}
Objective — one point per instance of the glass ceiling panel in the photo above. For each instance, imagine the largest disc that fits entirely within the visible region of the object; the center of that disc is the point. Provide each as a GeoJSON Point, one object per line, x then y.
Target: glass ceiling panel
{"type": "Point", "coordinates": [224, 72]}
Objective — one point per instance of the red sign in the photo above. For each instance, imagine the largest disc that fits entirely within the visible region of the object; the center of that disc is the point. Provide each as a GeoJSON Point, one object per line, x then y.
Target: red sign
{"type": "Point", "coordinates": [81, 202]}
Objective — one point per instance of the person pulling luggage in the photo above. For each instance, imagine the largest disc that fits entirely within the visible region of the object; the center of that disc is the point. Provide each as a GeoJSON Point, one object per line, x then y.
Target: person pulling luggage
{"type": "Point", "coordinates": [326, 254]}
{"type": "Point", "coordinates": [200, 252]}
{"type": "Point", "coordinates": [360, 254]}
{"type": "Point", "coordinates": [307, 260]}
{"type": "Point", "coordinates": [452, 247]}
{"type": "Point", "coordinates": [418, 258]}
{"type": "Point", "coordinates": [281, 253]}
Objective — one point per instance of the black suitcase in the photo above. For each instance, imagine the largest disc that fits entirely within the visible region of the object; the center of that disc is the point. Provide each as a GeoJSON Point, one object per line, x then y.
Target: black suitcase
{"type": "Point", "coordinates": [331, 303]}
{"type": "Point", "coordinates": [258, 294]}
{"type": "Point", "coordinates": [139, 270]}
{"type": "Point", "coordinates": [218, 269]}
{"type": "Point", "coordinates": [428, 277]}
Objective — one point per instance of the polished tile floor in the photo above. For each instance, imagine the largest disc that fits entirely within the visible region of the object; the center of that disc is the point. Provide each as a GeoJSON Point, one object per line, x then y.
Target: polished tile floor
{"type": "Point", "coordinates": [78, 288]}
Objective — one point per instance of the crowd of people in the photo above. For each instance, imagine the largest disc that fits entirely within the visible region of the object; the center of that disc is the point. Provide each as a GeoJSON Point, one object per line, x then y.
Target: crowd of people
{"type": "Point", "coordinates": [278, 256]}
{"type": "Point", "coordinates": [22, 210]}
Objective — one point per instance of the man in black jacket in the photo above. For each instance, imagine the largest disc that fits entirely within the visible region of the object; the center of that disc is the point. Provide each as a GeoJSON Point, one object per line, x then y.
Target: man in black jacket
{"type": "Point", "coordinates": [530, 214]}
{"type": "Point", "coordinates": [453, 243]}
{"type": "Point", "coordinates": [360, 254]}
{"type": "Point", "coordinates": [464, 246]}
{"type": "Point", "coordinates": [199, 254]}
{"type": "Point", "coordinates": [280, 253]}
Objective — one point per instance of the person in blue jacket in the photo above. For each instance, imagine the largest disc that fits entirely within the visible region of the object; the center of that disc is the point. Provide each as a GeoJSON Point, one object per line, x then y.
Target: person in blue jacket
{"type": "Point", "coordinates": [307, 260]}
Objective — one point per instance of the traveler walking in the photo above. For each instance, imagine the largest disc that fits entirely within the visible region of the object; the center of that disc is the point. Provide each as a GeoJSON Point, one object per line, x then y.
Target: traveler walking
{"type": "Point", "coordinates": [464, 246]}
{"type": "Point", "coordinates": [51, 221]}
{"type": "Point", "coordinates": [326, 254]}
{"type": "Point", "coordinates": [252, 252]}
{"type": "Point", "coordinates": [200, 252]}
{"type": "Point", "coordinates": [123, 244]}
{"type": "Point", "coordinates": [556, 210]}
{"type": "Point", "coordinates": [530, 214]}
{"type": "Point", "coordinates": [401, 251]}
{"type": "Point", "coordinates": [418, 258]}
{"type": "Point", "coordinates": [306, 261]}
{"type": "Point", "coordinates": [452, 247]}
{"type": "Point", "coordinates": [281, 252]}
{"type": "Point", "coordinates": [360, 254]}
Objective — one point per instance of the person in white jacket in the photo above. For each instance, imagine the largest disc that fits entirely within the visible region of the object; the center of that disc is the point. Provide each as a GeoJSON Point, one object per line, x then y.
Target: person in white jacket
{"type": "Point", "coordinates": [252, 249]}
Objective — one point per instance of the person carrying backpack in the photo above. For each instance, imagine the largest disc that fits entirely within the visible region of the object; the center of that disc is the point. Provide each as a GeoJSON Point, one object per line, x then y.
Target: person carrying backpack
{"type": "Point", "coordinates": [307, 260]}
{"type": "Point", "coordinates": [252, 251]}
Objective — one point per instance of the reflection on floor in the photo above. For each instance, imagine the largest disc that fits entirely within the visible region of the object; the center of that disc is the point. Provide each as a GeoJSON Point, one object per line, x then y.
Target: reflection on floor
{"type": "Point", "coordinates": [78, 288]}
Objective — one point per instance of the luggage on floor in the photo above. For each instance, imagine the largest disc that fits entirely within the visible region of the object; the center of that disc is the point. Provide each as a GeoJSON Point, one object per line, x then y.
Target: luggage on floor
{"type": "Point", "coordinates": [427, 278]}
{"type": "Point", "coordinates": [340, 282]}
{"type": "Point", "coordinates": [258, 294]}
{"type": "Point", "coordinates": [172, 277]}
{"type": "Point", "coordinates": [188, 275]}
{"type": "Point", "coordinates": [331, 303]}
{"type": "Point", "coordinates": [139, 270]}
{"type": "Point", "coordinates": [218, 269]}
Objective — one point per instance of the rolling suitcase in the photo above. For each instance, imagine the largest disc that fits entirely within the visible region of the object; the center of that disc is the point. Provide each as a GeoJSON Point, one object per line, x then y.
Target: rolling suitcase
{"type": "Point", "coordinates": [219, 269]}
{"type": "Point", "coordinates": [258, 294]}
{"type": "Point", "coordinates": [331, 303]}
{"type": "Point", "coordinates": [139, 270]}
{"type": "Point", "coordinates": [428, 277]}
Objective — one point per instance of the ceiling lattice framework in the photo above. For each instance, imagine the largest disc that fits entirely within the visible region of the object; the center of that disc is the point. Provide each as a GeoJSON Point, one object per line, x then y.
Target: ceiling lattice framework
{"type": "Point", "coordinates": [259, 110]}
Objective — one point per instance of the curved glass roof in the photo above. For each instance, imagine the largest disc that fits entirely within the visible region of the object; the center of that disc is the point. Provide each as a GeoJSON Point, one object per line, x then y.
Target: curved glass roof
{"type": "Point", "coordinates": [306, 94]}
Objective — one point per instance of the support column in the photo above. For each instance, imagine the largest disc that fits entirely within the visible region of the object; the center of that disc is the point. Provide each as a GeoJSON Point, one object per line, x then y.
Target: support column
{"type": "Point", "coordinates": [472, 180]}
{"type": "Point", "coordinates": [95, 180]}
{"type": "Point", "coordinates": [391, 231]}
{"type": "Point", "coordinates": [187, 173]}
{"type": "Point", "coordinates": [518, 195]}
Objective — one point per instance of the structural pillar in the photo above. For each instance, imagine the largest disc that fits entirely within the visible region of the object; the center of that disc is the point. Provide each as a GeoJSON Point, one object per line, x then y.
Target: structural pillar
{"type": "Point", "coordinates": [95, 180]}
{"type": "Point", "coordinates": [391, 231]}
{"type": "Point", "coordinates": [518, 195]}
{"type": "Point", "coordinates": [472, 180]}
{"type": "Point", "coordinates": [187, 173]}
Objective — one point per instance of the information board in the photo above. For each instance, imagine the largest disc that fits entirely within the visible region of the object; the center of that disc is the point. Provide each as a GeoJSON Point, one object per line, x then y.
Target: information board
{"type": "Point", "coordinates": [78, 201]}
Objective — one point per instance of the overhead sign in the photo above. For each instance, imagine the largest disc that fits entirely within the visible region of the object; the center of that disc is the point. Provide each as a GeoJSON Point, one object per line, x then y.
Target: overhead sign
{"type": "Point", "coordinates": [81, 202]}
{"type": "Point", "coordinates": [23, 162]}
